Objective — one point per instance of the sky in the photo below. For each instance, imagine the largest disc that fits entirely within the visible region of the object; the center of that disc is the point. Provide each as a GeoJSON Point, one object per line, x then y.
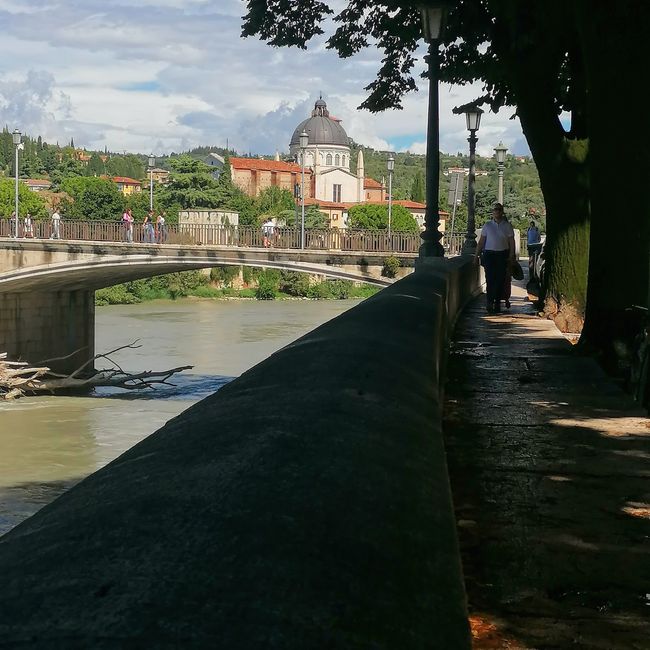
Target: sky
{"type": "Point", "coordinates": [158, 76]}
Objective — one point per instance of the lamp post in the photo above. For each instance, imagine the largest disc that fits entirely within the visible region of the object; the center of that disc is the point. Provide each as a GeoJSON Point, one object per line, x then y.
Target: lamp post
{"type": "Point", "coordinates": [390, 165]}
{"type": "Point", "coordinates": [473, 118]}
{"type": "Point", "coordinates": [16, 136]}
{"type": "Point", "coordinates": [432, 19]}
{"type": "Point", "coordinates": [304, 141]}
{"type": "Point", "coordinates": [152, 163]}
{"type": "Point", "coordinates": [500, 155]}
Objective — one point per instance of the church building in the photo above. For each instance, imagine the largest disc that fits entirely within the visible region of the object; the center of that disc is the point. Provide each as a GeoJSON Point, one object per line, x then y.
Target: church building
{"type": "Point", "coordinates": [329, 181]}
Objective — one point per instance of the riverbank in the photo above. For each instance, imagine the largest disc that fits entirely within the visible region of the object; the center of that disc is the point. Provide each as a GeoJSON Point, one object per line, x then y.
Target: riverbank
{"type": "Point", "coordinates": [258, 284]}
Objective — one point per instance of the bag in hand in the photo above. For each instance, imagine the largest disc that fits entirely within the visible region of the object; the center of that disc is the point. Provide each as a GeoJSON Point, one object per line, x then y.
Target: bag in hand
{"type": "Point", "coordinates": [517, 271]}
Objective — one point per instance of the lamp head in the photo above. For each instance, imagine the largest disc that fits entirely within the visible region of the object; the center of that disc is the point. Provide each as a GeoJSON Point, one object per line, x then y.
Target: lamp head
{"type": "Point", "coordinates": [500, 153]}
{"type": "Point", "coordinates": [304, 139]}
{"type": "Point", "coordinates": [473, 117]}
{"type": "Point", "coordinates": [433, 15]}
{"type": "Point", "coordinates": [390, 163]}
{"type": "Point", "coordinates": [152, 160]}
{"type": "Point", "coordinates": [16, 136]}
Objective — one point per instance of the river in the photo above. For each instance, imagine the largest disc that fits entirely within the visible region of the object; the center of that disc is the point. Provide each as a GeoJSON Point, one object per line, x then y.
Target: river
{"type": "Point", "coordinates": [47, 444]}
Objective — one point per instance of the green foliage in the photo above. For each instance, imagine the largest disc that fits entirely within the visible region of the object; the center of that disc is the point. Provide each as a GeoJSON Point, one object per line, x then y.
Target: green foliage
{"type": "Point", "coordinates": [28, 201]}
{"type": "Point", "coordinates": [274, 200]}
{"type": "Point", "coordinates": [268, 281]}
{"type": "Point", "coordinates": [247, 274]}
{"type": "Point", "coordinates": [172, 285]}
{"type": "Point", "coordinates": [128, 165]}
{"type": "Point", "coordinates": [417, 188]}
{"type": "Point", "coordinates": [314, 218]}
{"type": "Point", "coordinates": [340, 289]}
{"type": "Point", "coordinates": [91, 198]}
{"type": "Point", "coordinates": [372, 216]}
{"type": "Point", "coordinates": [224, 276]}
{"type": "Point", "coordinates": [139, 204]}
{"type": "Point", "coordinates": [294, 283]}
{"type": "Point", "coordinates": [391, 266]}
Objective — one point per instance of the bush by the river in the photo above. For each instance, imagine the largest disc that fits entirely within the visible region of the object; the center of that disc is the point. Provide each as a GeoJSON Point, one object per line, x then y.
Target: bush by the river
{"type": "Point", "coordinates": [270, 285]}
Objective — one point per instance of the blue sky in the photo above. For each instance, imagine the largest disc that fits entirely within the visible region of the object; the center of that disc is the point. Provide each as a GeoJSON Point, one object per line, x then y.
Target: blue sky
{"type": "Point", "coordinates": [167, 75]}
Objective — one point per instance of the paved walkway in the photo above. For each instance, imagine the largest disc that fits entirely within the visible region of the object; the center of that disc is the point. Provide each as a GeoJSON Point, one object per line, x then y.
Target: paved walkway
{"type": "Point", "coordinates": [550, 466]}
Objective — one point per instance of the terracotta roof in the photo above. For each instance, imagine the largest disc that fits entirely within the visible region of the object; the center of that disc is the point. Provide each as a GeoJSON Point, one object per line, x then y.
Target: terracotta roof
{"type": "Point", "coordinates": [266, 165]}
{"type": "Point", "coordinates": [371, 183]}
{"type": "Point", "coordinates": [331, 205]}
{"type": "Point", "coordinates": [126, 180]}
{"type": "Point", "coordinates": [36, 182]}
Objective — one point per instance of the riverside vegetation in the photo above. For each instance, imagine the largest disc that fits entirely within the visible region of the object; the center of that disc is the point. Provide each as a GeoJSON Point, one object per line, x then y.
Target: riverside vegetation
{"type": "Point", "coordinates": [255, 283]}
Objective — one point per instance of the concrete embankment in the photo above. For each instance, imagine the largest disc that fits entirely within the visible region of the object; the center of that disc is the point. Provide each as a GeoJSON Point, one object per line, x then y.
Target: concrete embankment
{"type": "Point", "coordinates": [304, 505]}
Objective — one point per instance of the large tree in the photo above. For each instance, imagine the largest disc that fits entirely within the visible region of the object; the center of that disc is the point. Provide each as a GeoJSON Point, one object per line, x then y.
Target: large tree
{"type": "Point", "coordinates": [547, 60]}
{"type": "Point", "coordinates": [373, 216]}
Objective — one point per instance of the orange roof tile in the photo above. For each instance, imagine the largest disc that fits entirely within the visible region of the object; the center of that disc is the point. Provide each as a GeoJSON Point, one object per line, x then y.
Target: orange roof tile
{"type": "Point", "coordinates": [267, 165]}
{"type": "Point", "coordinates": [371, 183]}
{"type": "Point", "coordinates": [126, 180]}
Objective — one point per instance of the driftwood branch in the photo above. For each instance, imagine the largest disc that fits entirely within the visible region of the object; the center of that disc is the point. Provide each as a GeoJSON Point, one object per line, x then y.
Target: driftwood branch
{"type": "Point", "coordinates": [18, 378]}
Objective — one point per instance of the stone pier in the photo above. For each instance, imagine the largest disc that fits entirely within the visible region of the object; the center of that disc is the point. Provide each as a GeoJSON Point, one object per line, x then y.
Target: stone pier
{"type": "Point", "coordinates": [39, 325]}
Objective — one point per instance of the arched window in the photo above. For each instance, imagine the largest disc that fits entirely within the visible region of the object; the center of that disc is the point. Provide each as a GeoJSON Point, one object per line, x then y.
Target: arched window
{"type": "Point", "coordinates": [328, 160]}
{"type": "Point", "coordinates": [337, 160]}
{"type": "Point", "coordinates": [343, 160]}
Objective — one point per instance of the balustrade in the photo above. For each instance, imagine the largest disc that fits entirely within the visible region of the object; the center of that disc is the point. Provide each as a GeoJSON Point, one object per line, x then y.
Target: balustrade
{"type": "Point", "coordinates": [232, 236]}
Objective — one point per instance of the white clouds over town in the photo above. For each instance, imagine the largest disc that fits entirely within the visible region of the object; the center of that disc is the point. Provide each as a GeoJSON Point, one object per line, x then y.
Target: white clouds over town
{"type": "Point", "coordinates": [168, 75]}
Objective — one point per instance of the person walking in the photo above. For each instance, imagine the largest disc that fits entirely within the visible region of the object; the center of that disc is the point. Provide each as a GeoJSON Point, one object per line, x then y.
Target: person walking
{"type": "Point", "coordinates": [56, 225]}
{"type": "Point", "coordinates": [496, 247]}
{"type": "Point", "coordinates": [127, 221]}
{"type": "Point", "coordinates": [534, 239]}
{"type": "Point", "coordinates": [506, 292]}
{"type": "Point", "coordinates": [28, 226]}
{"type": "Point", "coordinates": [147, 227]}
{"type": "Point", "coordinates": [161, 228]}
{"type": "Point", "coordinates": [268, 229]}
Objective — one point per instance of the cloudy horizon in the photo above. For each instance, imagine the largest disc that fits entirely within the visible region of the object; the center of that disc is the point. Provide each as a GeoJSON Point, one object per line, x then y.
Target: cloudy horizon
{"type": "Point", "coordinates": [170, 75]}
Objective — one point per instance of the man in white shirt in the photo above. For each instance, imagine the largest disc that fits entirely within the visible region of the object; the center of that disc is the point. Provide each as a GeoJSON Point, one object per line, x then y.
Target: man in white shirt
{"type": "Point", "coordinates": [497, 245]}
{"type": "Point", "coordinates": [56, 225]}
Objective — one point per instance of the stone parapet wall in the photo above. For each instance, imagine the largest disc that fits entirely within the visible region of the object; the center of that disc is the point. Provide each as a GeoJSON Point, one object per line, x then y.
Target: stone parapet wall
{"type": "Point", "coordinates": [304, 505]}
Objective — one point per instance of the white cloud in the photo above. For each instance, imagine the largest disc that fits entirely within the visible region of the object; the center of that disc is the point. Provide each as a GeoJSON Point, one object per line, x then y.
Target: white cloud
{"type": "Point", "coordinates": [172, 74]}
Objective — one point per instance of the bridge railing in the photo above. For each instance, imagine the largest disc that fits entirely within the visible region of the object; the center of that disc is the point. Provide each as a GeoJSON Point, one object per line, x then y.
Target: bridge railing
{"type": "Point", "coordinates": [234, 236]}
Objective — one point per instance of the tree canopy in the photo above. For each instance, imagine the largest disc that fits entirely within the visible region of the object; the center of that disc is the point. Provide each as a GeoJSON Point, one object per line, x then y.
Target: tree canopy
{"type": "Point", "coordinates": [373, 216]}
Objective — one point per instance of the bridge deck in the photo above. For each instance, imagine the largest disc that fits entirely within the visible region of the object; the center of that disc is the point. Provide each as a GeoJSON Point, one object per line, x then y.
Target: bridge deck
{"type": "Point", "coordinates": [548, 461]}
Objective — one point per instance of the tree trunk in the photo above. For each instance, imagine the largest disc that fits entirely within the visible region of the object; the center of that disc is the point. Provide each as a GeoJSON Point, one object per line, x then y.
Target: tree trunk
{"type": "Point", "coordinates": [612, 38]}
{"type": "Point", "coordinates": [560, 155]}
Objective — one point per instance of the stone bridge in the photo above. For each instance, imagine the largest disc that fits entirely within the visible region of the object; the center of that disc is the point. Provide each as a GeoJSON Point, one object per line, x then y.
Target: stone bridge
{"type": "Point", "coordinates": [47, 287]}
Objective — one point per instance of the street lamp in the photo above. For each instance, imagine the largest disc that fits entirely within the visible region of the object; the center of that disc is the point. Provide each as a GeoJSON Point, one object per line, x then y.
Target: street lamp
{"type": "Point", "coordinates": [432, 19]}
{"type": "Point", "coordinates": [16, 135]}
{"type": "Point", "coordinates": [500, 155]}
{"type": "Point", "coordinates": [304, 141]}
{"type": "Point", "coordinates": [152, 163]}
{"type": "Point", "coordinates": [390, 165]}
{"type": "Point", "coordinates": [473, 118]}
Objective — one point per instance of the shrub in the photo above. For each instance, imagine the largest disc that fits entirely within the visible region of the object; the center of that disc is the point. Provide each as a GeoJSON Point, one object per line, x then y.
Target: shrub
{"type": "Point", "coordinates": [339, 289]}
{"type": "Point", "coordinates": [294, 283]}
{"type": "Point", "coordinates": [224, 276]}
{"type": "Point", "coordinates": [391, 267]}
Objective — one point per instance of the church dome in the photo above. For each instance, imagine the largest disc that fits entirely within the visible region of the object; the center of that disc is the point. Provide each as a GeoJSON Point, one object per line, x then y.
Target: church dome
{"type": "Point", "coordinates": [321, 128]}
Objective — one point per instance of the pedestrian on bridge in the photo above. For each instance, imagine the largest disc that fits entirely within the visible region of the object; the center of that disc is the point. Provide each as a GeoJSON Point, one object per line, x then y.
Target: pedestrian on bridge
{"type": "Point", "coordinates": [28, 226]}
{"type": "Point", "coordinates": [496, 248]}
{"type": "Point", "coordinates": [161, 228]}
{"type": "Point", "coordinates": [268, 229]}
{"type": "Point", "coordinates": [147, 227]}
{"type": "Point", "coordinates": [127, 221]}
{"type": "Point", "coordinates": [56, 225]}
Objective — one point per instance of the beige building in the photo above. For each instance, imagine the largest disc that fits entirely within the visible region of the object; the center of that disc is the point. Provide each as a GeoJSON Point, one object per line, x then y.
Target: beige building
{"type": "Point", "coordinates": [252, 175]}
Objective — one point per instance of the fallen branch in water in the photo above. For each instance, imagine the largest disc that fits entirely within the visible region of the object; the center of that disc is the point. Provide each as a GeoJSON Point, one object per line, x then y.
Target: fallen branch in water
{"type": "Point", "coordinates": [18, 378]}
